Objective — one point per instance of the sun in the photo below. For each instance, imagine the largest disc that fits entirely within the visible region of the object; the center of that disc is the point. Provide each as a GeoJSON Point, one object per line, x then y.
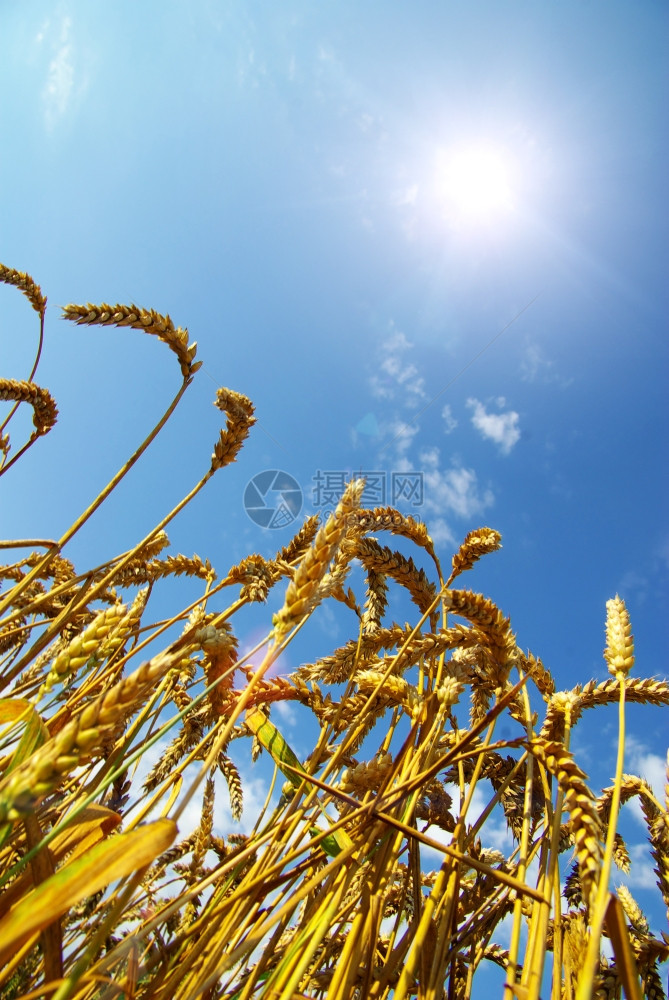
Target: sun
{"type": "Point", "coordinates": [475, 184]}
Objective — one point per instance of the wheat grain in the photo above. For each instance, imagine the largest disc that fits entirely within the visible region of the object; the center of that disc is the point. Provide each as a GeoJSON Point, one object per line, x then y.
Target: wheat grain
{"type": "Point", "coordinates": [299, 544]}
{"type": "Point", "coordinates": [239, 411]}
{"type": "Point", "coordinates": [434, 806]}
{"type": "Point", "coordinates": [23, 281]}
{"type": "Point", "coordinates": [564, 710]}
{"type": "Point", "coordinates": [657, 822]}
{"type": "Point", "coordinates": [148, 571]}
{"type": "Point", "coordinates": [539, 674]}
{"type": "Point", "coordinates": [366, 777]}
{"type": "Point", "coordinates": [501, 642]}
{"type": "Point", "coordinates": [396, 690]}
{"type": "Point", "coordinates": [575, 946]}
{"type": "Point", "coordinates": [621, 854]}
{"type": "Point", "coordinates": [190, 735]}
{"type": "Point", "coordinates": [651, 983]}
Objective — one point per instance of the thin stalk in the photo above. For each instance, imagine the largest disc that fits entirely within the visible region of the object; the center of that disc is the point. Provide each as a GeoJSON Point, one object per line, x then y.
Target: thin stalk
{"type": "Point", "coordinates": [587, 977]}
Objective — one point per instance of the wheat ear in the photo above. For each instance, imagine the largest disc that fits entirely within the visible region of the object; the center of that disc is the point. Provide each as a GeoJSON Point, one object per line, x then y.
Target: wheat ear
{"type": "Point", "coordinates": [23, 281]}
{"type": "Point", "coordinates": [619, 652]}
{"type": "Point", "coordinates": [44, 407]}
{"type": "Point", "coordinates": [83, 646]}
{"type": "Point", "coordinates": [23, 787]}
{"type": "Point", "coordinates": [580, 804]}
{"type": "Point", "coordinates": [476, 544]}
{"type": "Point", "coordinates": [239, 411]}
{"type": "Point", "coordinates": [147, 320]}
{"type": "Point", "coordinates": [302, 593]}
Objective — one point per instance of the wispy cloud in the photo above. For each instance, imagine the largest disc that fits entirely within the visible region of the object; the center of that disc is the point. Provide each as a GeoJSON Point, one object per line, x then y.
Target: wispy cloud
{"type": "Point", "coordinates": [59, 87]}
{"type": "Point", "coordinates": [401, 435]}
{"type": "Point", "coordinates": [455, 490]}
{"type": "Point", "coordinates": [397, 377]}
{"type": "Point", "coordinates": [450, 423]}
{"type": "Point", "coordinates": [536, 367]}
{"type": "Point", "coordinates": [646, 764]}
{"type": "Point", "coordinates": [534, 364]}
{"type": "Point", "coordinates": [502, 428]}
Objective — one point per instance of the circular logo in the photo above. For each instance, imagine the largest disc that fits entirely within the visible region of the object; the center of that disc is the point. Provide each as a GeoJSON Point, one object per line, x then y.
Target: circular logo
{"type": "Point", "coordinates": [273, 499]}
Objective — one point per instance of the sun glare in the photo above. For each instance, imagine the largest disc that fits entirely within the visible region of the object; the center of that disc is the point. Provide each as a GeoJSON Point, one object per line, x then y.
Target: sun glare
{"type": "Point", "coordinates": [475, 184]}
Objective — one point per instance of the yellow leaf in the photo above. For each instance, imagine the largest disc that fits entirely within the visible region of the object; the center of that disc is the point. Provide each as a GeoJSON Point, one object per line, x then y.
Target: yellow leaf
{"type": "Point", "coordinates": [88, 828]}
{"type": "Point", "coordinates": [13, 711]}
{"type": "Point", "coordinates": [106, 862]}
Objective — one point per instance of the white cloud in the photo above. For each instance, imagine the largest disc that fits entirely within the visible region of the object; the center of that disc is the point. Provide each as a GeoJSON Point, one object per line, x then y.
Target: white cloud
{"type": "Point", "coordinates": [397, 341]}
{"type": "Point", "coordinates": [534, 363]}
{"type": "Point", "coordinates": [535, 366]}
{"type": "Point", "coordinates": [454, 490]}
{"type": "Point", "coordinates": [398, 377]}
{"type": "Point", "coordinates": [286, 713]}
{"type": "Point", "coordinates": [642, 874]}
{"type": "Point", "coordinates": [648, 765]}
{"type": "Point", "coordinates": [450, 423]}
{"type": "Point", "coordinates": [58, 90]}
{"type": "Point", "coordinates": [502, 428]}
{"type": "Point", "coordinates": [401, 437]}
{"type": "Point", "coordinates": [441, 534]}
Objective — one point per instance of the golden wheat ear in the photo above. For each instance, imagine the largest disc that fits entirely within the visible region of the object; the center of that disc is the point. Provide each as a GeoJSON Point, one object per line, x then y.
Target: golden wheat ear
{"type": "Point", "coordinates": [239, 411]}
{"type": "Point", "coordinates": [23, 281]}
{"type": "Point", "coordinates": [45, 414]}
{"type": "Point", "coordinates": [476, 544]}
{"type": "Point", "coordinates": [146, 320]}
{"type": "Point", "coordinates": [44, 407]}
{"type": "Point", "coordinates": [303, 592]}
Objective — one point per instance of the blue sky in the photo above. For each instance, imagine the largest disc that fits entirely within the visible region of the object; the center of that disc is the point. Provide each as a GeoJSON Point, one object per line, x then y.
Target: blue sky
{"type": "Point", "coordinates": [290, 182]}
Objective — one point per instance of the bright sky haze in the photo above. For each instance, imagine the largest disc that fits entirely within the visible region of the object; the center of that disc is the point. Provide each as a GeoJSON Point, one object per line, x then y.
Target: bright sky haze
{"type": "Point", "coordinates": [428, 240]}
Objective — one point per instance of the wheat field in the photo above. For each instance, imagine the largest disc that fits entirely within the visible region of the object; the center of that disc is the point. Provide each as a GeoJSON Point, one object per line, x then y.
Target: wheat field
{"type": "Point", "coordinates": [114, 728]}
